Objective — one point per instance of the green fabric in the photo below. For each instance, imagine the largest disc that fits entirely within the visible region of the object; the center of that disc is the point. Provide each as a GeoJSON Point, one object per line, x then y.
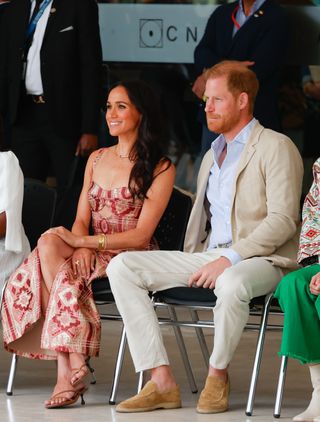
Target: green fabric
{"type": "Point", "coordinates": [301, 330]}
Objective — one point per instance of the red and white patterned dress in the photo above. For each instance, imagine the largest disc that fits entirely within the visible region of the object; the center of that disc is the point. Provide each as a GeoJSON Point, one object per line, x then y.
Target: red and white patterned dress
{"type": "Point", "coordinates": [71, 322]}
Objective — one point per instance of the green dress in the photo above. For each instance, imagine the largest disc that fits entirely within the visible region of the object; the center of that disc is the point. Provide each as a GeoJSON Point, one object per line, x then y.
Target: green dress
{"type": "Point", "coordinates": [301, 330]}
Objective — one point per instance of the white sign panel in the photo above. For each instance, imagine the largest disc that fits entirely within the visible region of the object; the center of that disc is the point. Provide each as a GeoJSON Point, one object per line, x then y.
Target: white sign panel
{"type": "Point", "coordinates": [151, 33]}
{"type": "Point", "coordinates": [169, 33]}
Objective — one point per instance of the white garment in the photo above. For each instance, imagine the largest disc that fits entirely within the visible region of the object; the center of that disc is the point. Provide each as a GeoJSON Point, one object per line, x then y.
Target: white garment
{"type": "Point", "coordinates": [14, 247]}
{"type": "Point", "coordinates": [133, 274]}
{"type": "Point", "coordinates": [33, 79]}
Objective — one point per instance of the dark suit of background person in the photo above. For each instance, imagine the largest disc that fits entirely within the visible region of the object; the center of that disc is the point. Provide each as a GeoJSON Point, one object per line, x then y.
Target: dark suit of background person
{"type": "Point", "coordinates": [263, 39]}
{"type": "Point", "coordinates": [70, 64]}
{"type": "Point", "coordinates": [3, 5]}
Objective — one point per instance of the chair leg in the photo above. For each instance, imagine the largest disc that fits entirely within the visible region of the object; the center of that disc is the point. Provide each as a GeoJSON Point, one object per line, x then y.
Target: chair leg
{"type": "Point", "coordinates": [183, 350]}
{"type": "Point", "coordinates": [258, 356]}
{"type": "Point", "coordinates": [91, 370]}
{"type": "Point", "coordinates": [12, 374]}
{"type": "Point", "coordinates": [140, 381]}
{"type": "Point", "coordinates": [281, 382]}
{"type": "Point", "coordinates": [118, 367]}
{"type": "Point", "coordinates": [201, 338]}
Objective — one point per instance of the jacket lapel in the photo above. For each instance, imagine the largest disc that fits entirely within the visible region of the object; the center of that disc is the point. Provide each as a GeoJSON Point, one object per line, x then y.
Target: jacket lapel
{"type": "Point", "coordinates": [52, 18]}
{"type": "Point", "coordinates": [256, 19]}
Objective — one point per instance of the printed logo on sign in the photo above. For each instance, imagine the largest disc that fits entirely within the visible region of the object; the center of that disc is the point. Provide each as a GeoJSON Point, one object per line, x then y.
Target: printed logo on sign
{"type": "Point", "coordinates": [151, 33]}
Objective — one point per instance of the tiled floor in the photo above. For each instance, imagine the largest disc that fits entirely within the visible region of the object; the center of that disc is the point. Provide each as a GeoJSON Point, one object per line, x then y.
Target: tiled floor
{"type": "Point", "coordinates": [35, 379]}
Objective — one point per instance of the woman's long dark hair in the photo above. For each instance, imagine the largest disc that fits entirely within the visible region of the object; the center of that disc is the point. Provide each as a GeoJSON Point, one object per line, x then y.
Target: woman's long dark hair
{"type": "Point", "coordinates": [152, 142]}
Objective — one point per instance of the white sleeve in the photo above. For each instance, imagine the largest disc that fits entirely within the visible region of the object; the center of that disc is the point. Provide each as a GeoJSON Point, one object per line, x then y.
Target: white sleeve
{"type": "Point", "coordinates": [11, 197]}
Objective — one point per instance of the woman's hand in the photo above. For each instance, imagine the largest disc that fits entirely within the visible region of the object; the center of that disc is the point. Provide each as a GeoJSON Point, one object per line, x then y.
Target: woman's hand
{"type": "Point", "coordinates": [315, 285]}
{"type": "Point", "coordinates": [83, 262]}
{"type": "Point", "coordinates": [66, 235]}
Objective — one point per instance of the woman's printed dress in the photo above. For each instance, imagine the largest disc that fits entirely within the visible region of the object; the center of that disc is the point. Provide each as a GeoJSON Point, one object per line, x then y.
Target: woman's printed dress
{"type": "Point", "coordinates": [72, 322]}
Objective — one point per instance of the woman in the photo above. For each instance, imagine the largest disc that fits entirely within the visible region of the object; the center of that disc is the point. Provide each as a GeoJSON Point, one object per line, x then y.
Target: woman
{"type": "Point", "coordinates": [299, 297]}
{"type": "Point", "coordinates": [14, 245]}
{"type": "Point", "coordinates": [49, 311]}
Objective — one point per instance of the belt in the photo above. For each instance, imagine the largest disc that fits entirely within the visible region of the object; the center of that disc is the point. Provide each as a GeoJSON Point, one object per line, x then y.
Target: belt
{"type": "Point", "coordinates": [315, 259]}
{"type": "Point", "coordinates": [37, 99]}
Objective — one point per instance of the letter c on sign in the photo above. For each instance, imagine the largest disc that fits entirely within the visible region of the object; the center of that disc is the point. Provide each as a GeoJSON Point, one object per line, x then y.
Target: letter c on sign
{"type": "Point", "coordinates": [170, 36]}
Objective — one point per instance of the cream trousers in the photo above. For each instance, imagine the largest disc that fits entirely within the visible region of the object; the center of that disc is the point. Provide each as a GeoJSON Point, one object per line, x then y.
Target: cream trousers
{"type": "Point", "coordinates": [133, 274]}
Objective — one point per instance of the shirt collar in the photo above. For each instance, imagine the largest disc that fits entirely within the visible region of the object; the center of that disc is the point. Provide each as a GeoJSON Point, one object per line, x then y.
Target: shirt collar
{"type": "Point", "coordinates": [242, 138]}
{"type": "Point", "coordinates": [256, 5]}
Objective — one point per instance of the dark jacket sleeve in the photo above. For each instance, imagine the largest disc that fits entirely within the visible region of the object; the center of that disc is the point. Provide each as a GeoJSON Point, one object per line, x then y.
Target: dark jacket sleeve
{"type": "Point", "coordinates": [205, 54]}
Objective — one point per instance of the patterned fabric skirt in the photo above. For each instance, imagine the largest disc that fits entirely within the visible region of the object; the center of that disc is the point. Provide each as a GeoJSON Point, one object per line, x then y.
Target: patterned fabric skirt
{"type": "Point", "coordinates": [71, 322]}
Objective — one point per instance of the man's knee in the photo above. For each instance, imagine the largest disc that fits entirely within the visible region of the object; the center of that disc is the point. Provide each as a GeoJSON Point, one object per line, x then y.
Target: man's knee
{"type": "Point", "coordinates": [116, 266]}
{"type": "Point", "coordinates": [232, 286]}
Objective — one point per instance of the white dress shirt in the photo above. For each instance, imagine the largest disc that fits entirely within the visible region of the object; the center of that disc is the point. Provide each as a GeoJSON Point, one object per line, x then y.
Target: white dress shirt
{"type": "Point", "coordinates": [33, 79]}
{"type": "Point", "coordinates": [219, 190]}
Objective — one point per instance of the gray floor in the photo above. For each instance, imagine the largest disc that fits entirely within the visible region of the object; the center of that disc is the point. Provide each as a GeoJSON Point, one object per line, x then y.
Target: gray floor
{"type": "Point", "coordinates": [35, 379]}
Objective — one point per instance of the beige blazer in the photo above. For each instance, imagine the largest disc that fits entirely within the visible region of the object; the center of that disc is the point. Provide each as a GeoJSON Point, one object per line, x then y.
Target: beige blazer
{"type": "Point", "coordinates": [265, 210]}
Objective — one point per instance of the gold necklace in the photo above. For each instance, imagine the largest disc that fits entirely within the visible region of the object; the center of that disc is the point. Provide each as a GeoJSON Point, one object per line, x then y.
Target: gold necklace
{"type": "Point", "coordinates": [130, 158]}
{"type": "Point", "coordinates": [120, 155]}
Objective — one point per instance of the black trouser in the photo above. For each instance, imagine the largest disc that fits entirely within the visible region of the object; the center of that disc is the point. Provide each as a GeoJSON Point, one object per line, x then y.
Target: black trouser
{"type": "Point", "coordinates": [38, 148]}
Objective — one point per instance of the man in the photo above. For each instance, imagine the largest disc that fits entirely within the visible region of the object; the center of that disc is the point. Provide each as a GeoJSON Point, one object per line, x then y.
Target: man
{"type": "Point", "coordinates": [256, 33]}
{"type": "Point", "coordinates": [248, 190]}
{"type": "Point", "coordinates": [50, 64]}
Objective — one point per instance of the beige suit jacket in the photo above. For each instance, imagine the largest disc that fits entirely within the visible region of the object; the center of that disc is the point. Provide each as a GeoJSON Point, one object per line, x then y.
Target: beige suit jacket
{"type": "Point", "coordinates": [265, 211]}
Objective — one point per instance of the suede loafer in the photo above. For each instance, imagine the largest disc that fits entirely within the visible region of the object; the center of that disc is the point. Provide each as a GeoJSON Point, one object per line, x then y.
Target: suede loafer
{"type": "Point", "coordinates": [149, 399]}
{"type": "Point", "coordinates": [214, 398]}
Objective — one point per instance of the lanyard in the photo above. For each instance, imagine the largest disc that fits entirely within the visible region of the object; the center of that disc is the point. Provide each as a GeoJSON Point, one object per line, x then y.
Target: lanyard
{"type": "Point", "coordinates": [233, 17]}
{"type": "Point", "coordinates": [32, 25]}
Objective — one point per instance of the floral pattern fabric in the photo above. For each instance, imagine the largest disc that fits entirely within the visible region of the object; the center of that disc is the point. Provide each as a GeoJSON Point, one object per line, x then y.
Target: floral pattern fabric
{"type": "Point", "coordinates": [310, 233]}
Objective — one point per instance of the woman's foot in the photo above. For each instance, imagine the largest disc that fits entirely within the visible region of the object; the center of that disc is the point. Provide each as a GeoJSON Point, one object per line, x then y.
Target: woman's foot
{"type": "Point", "coordinates": [65, 394]}
{"type": "Point", "coordinates": [78, 375]}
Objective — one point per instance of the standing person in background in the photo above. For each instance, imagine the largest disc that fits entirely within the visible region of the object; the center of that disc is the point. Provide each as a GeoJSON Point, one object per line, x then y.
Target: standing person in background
{"type": "Point", "coordinates": [299, 298]}
{"type": "Point", "coordinates": [50, 64]}
{"type": "Point", "coordinates": [254, 32]}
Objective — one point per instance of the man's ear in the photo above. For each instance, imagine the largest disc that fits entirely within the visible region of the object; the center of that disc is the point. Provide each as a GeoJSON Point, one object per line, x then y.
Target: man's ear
{"type": "Point", "coordinates": [243, 100]}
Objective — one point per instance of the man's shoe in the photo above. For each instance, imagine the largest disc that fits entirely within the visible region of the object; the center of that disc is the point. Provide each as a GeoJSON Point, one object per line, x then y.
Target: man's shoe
{"type": "Point", "coordinates": [150, 398]}
{"type": "Point", "coordinates": [214, 398]}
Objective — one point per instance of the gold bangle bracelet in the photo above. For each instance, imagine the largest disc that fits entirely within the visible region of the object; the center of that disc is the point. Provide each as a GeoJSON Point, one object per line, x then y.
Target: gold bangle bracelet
{"type": "Point", "coordinates": [101, 242]}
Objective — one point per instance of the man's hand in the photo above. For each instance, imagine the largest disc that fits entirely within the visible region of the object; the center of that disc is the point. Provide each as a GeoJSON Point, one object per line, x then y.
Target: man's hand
{"type": "Point", "coordinates": [207, 275]}
{"type": "Point", "coordinates": [199, 86]}
{"type": "Point", "coordinates": [87, 144]}
{"type": "Point", "coordinates": [315, 285]}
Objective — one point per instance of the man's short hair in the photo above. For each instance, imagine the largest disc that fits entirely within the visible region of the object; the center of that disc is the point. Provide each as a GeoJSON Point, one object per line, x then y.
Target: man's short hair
{"type": "Point", "coordinates": [239, 79]}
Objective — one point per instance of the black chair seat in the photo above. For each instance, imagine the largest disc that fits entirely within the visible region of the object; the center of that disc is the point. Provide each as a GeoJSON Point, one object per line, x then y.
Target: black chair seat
{"type": "Point", "coordinates": [101, 290]}
{"type": "Point", "coordinates": [191, 296]}
{"type": "Point", "coordinates": [188, 296]}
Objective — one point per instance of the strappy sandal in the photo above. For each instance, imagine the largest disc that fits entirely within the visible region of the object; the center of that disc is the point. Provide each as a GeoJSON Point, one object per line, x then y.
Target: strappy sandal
{"type": "Point", "coordinates": [67, 401]}
{"type": "Point", "coordinates": [75, 373]}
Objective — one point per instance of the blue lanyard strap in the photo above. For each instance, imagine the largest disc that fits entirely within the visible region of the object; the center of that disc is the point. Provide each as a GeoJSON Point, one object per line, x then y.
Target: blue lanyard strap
{"type": "Point", "coordinates": [32, 25]}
